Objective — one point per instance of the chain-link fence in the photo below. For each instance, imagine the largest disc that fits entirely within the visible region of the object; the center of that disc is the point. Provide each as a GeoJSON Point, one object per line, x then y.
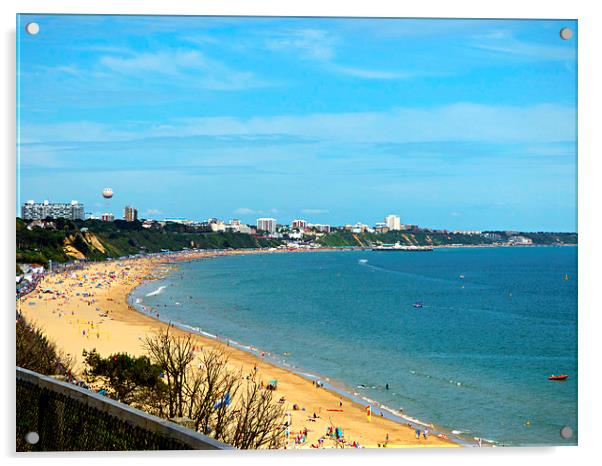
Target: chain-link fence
{"type": "Point", "coordinates": [63, 417]}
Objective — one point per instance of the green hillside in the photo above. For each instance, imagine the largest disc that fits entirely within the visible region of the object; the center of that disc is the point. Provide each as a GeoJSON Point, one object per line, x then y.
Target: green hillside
{"type": "Point", "coordinates": [342, 238]}
{"type": "Point", "coordinates": [96, 240]}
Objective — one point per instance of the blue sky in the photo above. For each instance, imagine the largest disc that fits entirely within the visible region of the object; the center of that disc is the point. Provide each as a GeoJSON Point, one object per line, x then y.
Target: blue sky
{"type": "Point", "coordinates": [459, 124]}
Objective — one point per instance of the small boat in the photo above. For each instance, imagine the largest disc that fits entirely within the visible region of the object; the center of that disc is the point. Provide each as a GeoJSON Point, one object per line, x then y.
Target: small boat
{"type": "Point", "coordinates": [461, 277]}
{"type": "Point", "coordinates": [558, 377]}
{"type": "Point", "coordinates": [418, 305]}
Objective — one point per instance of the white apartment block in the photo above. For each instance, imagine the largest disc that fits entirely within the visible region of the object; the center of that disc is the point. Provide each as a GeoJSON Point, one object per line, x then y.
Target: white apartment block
{"type": "Point", "coordinates": [32, 210]}
{"type": "Point", "coordinates": [266, 224]}
{"type": "Point", "coordinates": [392, 222]}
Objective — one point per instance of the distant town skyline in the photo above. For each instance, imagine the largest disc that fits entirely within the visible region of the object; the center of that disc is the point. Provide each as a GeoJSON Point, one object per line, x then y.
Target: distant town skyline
{"type": "Point", "coordinates": [32, 210]}
{"type": "Point", "coordinates": [450, 124]}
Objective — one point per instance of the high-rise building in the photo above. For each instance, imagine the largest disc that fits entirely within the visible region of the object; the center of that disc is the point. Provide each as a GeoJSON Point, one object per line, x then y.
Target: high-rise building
{"type": "Point", "coordinates": [322, 228]}
{"type": "Point", "coordinates": [130, 214]}
{"type": "Point", "coordinates": [392, 222]}
{"type": "Point", "coordinates": [106, 217]}
{"type": "Point", "coordinates": [32, 210]}
{"type": "Point", "coordinates": [299, 224]}
{"type": "Point", "coordinates": [266, 224]}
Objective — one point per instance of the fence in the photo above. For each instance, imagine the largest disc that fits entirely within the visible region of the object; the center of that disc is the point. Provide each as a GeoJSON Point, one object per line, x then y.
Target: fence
{"type": "Point", "coordinates": [70, 418]}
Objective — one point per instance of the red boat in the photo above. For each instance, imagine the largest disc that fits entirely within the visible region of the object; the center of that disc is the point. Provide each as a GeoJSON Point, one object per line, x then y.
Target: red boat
{"type": "Point", "coordinates": [558, 377]}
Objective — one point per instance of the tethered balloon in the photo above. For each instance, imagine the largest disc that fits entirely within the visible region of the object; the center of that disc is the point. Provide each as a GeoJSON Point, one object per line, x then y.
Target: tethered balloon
{"type": "Point", "coordinates": [107, 193]}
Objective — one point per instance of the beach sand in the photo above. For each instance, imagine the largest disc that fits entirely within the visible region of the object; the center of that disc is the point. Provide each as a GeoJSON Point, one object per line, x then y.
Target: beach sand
{"type": "Point", "coordinates": [88, 309]}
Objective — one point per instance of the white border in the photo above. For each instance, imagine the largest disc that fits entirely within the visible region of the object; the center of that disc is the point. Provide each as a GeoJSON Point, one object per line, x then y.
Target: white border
{"type": "Point", "coordinates": [590, 152]}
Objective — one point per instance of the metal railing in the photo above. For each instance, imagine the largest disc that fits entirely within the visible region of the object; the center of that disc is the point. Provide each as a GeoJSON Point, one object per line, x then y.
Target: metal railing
{"type": "Point", "coordinates": [69, 418]}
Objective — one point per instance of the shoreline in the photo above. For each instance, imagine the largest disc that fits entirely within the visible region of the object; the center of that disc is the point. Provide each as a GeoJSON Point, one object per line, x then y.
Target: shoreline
{"type": "Point", "coordinates": [121, 327]}
{"type": "Point", "coordinates": [337, 387]}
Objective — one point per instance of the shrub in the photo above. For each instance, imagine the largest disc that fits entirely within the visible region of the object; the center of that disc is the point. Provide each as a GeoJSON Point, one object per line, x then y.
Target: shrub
{"type": "Point", "coordinates": [35, 352]}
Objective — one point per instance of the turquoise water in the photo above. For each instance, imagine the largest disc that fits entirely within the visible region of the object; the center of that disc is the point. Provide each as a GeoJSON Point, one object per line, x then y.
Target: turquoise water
{"type": "Point", "coordinates": [475, 359]}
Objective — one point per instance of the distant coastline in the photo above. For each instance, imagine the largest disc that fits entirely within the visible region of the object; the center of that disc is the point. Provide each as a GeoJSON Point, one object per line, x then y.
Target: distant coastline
{"type": "Point", "coordinates": [61, 241]}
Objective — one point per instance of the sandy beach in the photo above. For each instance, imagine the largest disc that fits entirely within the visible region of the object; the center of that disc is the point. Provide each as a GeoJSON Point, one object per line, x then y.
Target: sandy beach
{"type": "Point", "coordinates": [88, 308]}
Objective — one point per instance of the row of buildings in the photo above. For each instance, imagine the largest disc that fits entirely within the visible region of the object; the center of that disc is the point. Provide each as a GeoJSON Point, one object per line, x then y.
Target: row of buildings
{"type": "Point", "coordinates": [391, 223]}
{"type": "Point", "coordinates": [298, 229]}
{"type": "Point", "coordinates": [211, 224]}
{"type": "Point", "coordinates": [270, 225]}
{"type": "Point", "coordinates": [32, 210]}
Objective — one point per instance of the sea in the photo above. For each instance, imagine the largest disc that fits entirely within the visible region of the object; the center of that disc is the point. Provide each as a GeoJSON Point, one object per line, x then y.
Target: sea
{"type": "Point", "coordinates": [461, 338]}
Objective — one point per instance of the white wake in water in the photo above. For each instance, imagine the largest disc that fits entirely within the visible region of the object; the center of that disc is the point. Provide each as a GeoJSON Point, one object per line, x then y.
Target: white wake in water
{"type": "Point", "coordinates": [157, 291]}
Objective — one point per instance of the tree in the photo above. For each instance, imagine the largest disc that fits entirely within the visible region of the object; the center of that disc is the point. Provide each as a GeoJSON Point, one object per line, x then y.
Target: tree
{"type": "Point", "coordinates": [36, 353]}
{"type": "Point", "coordinates": [259, 421]}
{"type": "Point", "coordinates": [174, 355]}
{"type": "Point", "coordinates": [217, 399]}
{"type": "Point", "coordinates": [210, 390]}
{"type": "Point", "coordinates": [125, 374]}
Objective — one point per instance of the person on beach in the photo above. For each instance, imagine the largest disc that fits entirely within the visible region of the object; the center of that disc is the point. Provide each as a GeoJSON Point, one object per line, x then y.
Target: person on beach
{"type": "Point", "coordinates": [418, 434]}
{"type": "Point", "coordinates": [341, 403]}
{"type": "Point", "coordinates": [425, 433]}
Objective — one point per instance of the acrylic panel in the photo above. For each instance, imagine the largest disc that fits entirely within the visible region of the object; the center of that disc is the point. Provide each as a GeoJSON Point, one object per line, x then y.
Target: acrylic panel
{"type": "Point", "coordinates": [295, 233]}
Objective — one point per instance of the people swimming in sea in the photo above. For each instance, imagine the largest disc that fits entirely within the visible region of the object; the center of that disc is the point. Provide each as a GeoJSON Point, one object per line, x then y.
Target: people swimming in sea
{"type": "Point", "coordinates": [386, 386]}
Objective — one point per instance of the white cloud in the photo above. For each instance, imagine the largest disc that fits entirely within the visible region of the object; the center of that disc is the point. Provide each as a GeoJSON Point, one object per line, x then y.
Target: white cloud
{"type": "Point", "coordinates": [153, 211]}
{"type": "Point", "coordinates": [311, 44]}
{"type": "Point", "coordinates": [314, 211]}
{"type": "Point", "coordinates": [503, 42]}
{"type": "Point", "coordinates": [319, 45]}
{"type": "Point", "coordinates": [461, 122]}
{"type": "Point", "coordinates": [183, 67]}
{"type": "Point", "coordinates": [244, 211]}
{"type": "Point", "coordinates": [247, 211]}
{"type": "Point", "coordinates": [370, 73]}
{"type": "Point", "coordinates": [457, 122]}
{"type": "Point", "coordinates": [74, 131]}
